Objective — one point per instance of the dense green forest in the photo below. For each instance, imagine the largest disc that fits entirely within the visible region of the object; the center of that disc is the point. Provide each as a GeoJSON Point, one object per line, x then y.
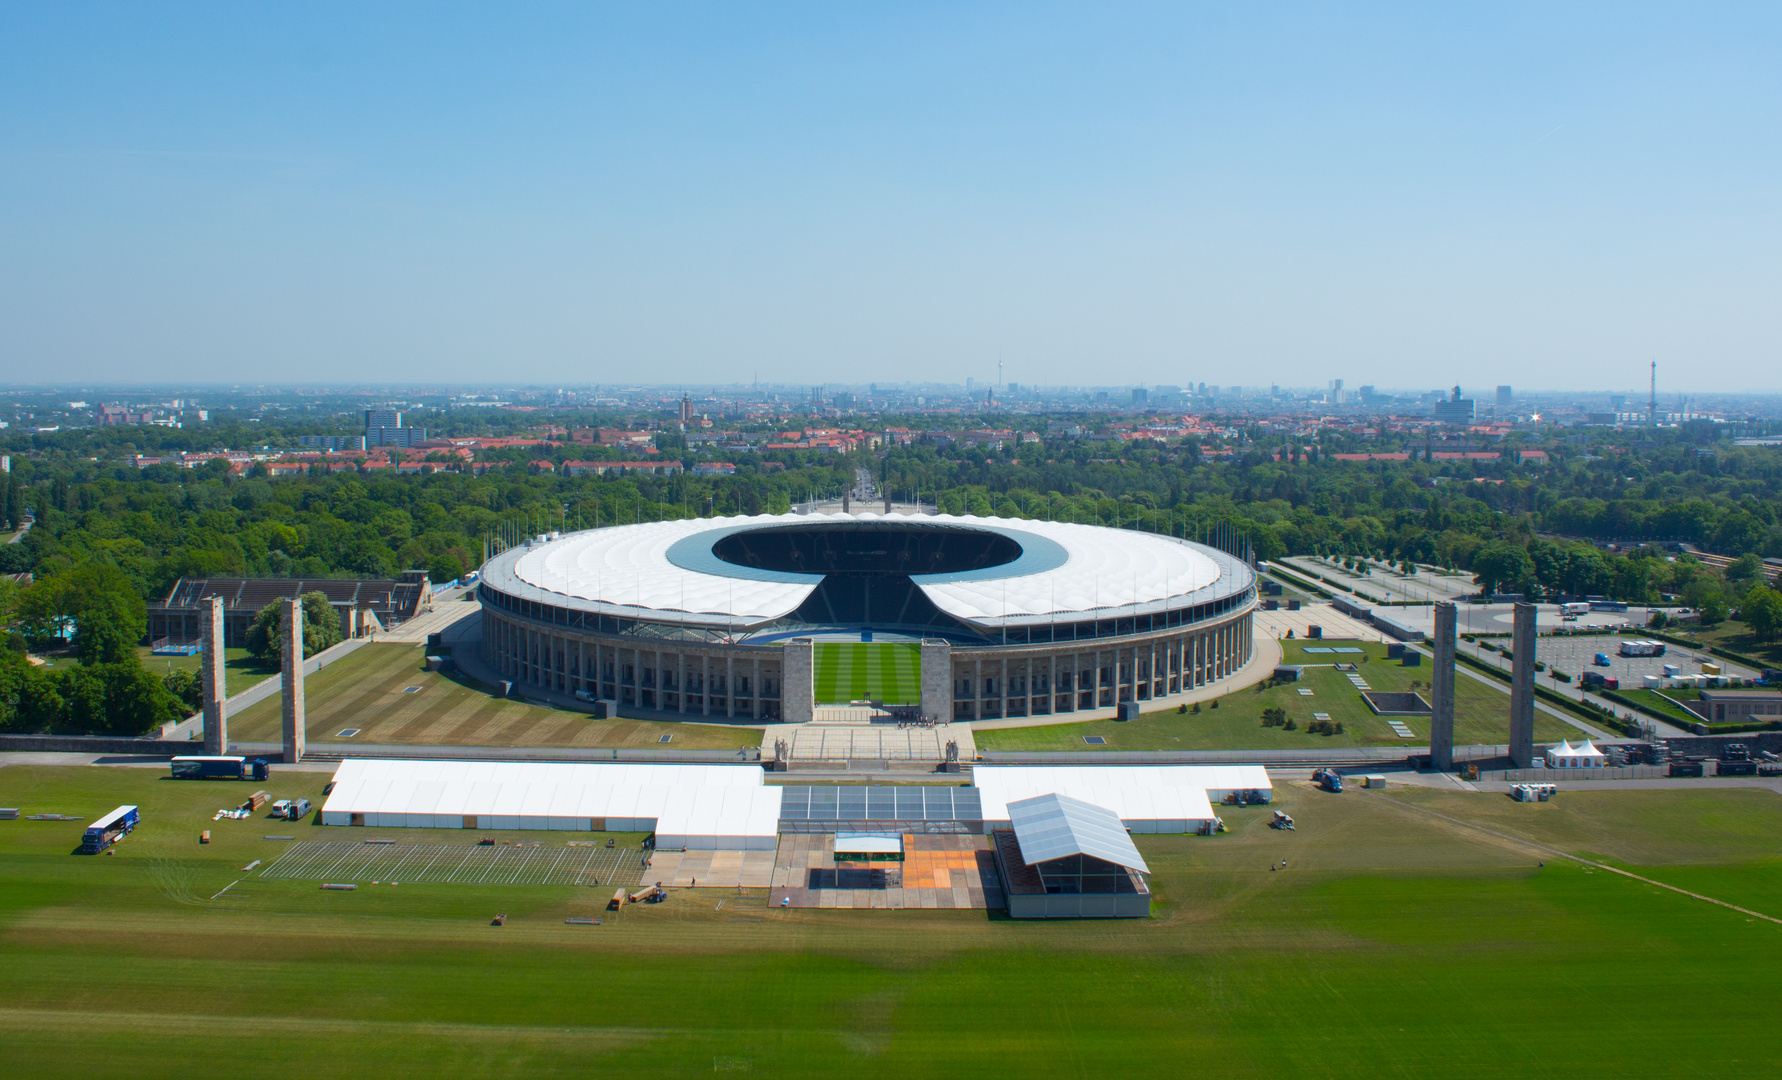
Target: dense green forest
{"type": "Point", "coordinates": [1517, 528]}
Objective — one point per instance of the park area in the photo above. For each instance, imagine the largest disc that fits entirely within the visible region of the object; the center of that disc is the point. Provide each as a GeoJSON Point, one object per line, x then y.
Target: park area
{"type": "Point", "coordinates": [384, 693]}
{"type": "Point", "coordinates": [1481, 712]}
{"type": "Point", "coordinates": [1408, 943]}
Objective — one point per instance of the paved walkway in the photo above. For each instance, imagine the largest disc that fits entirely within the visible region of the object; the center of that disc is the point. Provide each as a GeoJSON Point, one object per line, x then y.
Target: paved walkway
{"type": "Point", "coordinates": [448, 607]}
{"type": "Point", "coordinates": [818, 741]}
{"type": "Point", "coordinates": [718, 869]}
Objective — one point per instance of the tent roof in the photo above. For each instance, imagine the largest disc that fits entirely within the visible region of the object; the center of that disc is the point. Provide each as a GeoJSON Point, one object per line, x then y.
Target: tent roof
{"type": "Point", "coordinates": [1057, 826]}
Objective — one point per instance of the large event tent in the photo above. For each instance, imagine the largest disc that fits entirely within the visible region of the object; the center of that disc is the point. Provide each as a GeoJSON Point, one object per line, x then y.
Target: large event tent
{"type": "Point", "coordinates": [694, 806]}
{"type": "Point", "coordinates": [731, 806]}
{"type": "Point", "coordinates": [1148, 798]}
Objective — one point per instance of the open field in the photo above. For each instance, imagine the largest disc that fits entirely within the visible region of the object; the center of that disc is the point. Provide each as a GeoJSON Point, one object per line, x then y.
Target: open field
{"type": "Point", "coordinates": [1394, 939]}
{"type": "Point", "coordinates": [1481, 713]}
{"type": "Point", "coordinates": [368, 689]}
{"type": "Point", "coordinates": [240, 670]}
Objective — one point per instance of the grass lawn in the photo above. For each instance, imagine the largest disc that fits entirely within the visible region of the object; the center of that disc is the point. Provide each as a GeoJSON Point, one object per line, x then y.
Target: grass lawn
{"type": "Point", "coordinates": [1394, 939]}
{"type": "Point", "coordinates": [1481, 713]}
{"type": "Point", "coordinates": [366, 690]}
{"type": "Point", "coordinates": [240, 670]}
{"type": "Point", "coordinates": [860, 671]}
{"type": "Point", "coordinates": [1733, 636]}
{"type": "Point", "coordinates": [1665, 703]}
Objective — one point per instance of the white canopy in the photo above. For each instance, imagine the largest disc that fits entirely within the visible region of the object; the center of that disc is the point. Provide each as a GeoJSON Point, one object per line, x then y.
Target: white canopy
{"type": "Point", "coordinates": [1057, 826]}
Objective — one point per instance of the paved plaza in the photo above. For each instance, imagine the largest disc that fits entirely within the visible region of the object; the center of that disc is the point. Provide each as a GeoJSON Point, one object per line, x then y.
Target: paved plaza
{"type": "Point", "coordinates": [937, 871]}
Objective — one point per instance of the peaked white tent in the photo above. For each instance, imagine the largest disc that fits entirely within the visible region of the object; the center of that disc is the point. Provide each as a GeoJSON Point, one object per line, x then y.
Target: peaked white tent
{"type": "Point", "coordinates": [1582, 756]}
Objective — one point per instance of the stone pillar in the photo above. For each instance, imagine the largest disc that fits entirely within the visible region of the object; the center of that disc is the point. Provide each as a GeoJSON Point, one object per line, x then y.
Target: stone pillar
{"type": "Point", "coordinates": [216, 722]}
{"type": "Point", "coordinates": [1522, 695]}
{"type": "Point", "coordinates": [293, 688]}
{"type": "Point", "coordinates": [1441, 723]}
{"type": "Point", "coordinates": [798, 682]}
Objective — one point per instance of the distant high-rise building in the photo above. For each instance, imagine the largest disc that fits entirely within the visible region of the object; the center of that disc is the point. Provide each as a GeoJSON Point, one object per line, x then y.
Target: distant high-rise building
{"type": "Point", "coordinates": [1618, 403]}
{"type": "Point", "coordinates": [971, 386]}
{"type": "Point", "coordinates": [1503, 397]}
{"type": "Point", "coordinates": [686, 408]}
{"type": "Point", "coordinates": [1140, 395]}
{"type": "Point", "coordinates": [1456, 410]}
{"type": "Point", "coordinates": [383, 427]}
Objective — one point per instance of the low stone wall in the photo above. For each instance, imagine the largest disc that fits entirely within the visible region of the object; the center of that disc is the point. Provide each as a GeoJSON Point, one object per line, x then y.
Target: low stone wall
{"type": "Point", "coordinates": [94, 744]}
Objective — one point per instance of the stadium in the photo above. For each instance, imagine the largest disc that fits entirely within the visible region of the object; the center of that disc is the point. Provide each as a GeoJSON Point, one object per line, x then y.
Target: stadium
{"type": "Point", "coordinates": [765, 618]}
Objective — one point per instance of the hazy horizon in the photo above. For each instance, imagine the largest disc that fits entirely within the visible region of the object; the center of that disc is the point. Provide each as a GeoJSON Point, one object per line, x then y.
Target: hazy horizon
{"type": "Point", "coordinates": [453, 196]}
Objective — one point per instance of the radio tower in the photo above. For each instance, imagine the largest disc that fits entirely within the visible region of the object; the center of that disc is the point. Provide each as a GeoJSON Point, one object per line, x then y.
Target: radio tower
{"type": "Point", "coordinates": [1652, 400]}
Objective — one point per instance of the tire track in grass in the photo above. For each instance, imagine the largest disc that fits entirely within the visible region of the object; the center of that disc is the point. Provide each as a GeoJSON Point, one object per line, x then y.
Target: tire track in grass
{"type": "Point", "coordinates": [1581, 859]}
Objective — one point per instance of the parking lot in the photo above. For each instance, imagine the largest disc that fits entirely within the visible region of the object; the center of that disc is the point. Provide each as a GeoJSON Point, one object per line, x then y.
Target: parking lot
{"type": "Point", "coordinates": [1573, 655]}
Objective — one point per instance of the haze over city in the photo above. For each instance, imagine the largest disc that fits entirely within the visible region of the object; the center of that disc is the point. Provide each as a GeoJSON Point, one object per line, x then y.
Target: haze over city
{"type": "Point", "coordinates": [1152, 194]}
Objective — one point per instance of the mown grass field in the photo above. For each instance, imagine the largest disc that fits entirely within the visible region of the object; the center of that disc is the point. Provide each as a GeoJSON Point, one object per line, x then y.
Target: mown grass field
{"type": "Point", "coordinates": [1394, 943]}
{"type": "Point", "coordinates": [860, 671]}
{"type": "Point", "coordinates": [240, 670]}
{"type": "Point", "coordinates": [1481, 713]}
{"type": "Point", "coordinates": [366, 690]}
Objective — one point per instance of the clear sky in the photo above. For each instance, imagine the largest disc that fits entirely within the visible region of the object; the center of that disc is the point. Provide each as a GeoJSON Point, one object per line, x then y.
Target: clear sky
{"type": "Point", "coordinates": [1547, 195]}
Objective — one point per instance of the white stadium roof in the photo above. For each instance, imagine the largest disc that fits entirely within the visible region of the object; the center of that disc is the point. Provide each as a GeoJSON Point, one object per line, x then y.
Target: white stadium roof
{"type": "Point", "coordinates": [667, 569]}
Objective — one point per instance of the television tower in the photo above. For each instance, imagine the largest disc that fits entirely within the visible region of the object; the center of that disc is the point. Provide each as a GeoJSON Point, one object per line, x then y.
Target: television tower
{"type": "Point", "coordinates": [1652, 399]}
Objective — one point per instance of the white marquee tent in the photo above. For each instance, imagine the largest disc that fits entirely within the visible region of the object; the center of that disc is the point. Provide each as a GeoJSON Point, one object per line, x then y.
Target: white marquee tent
{"type": "Point", "coordinates": [1581, 756]}
{"type": "Point", "coordinates": [694, 806]}
{"type": "Point", "coordinates": [1148, 798]}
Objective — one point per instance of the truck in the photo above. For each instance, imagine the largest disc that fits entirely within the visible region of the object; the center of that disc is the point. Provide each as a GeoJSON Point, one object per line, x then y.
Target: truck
{"type": "Point", "coordinates": [109, 829]}
{"type": "Point", "coordinates": [213, 767]}
{"type": "Point", "coordinates": [1328, 779]}
{"type": "Point", "coordinates": [291, 809]}
{"type": "Point", "coordinates": [1641, 648]}
{"type": "Point", "coordinates": [1574, 609]}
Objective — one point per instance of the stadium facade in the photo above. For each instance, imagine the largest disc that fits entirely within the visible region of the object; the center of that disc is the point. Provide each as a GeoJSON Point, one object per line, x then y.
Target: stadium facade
{"type": "Point", "coordinates": [964, 618]}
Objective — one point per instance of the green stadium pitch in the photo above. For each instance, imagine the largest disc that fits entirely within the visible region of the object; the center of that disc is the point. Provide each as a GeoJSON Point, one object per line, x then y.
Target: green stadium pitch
{"type": "Point", "coordinates": [885, 671]}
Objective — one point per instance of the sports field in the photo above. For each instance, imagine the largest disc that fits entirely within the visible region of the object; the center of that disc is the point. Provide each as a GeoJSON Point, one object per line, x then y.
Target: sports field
{"type": "Point", "coordinates": [1481, 712]}
{"type": "Point", "coordinates": [1394, 943]}
{"type": "Point", "coordinates": [369, 690]}
{"type": "Point", "coordinates": [885, 671]}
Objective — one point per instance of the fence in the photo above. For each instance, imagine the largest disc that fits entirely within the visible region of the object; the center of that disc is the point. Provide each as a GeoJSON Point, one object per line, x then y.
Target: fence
{"type": "Point", "coordinates": [1548, 776]}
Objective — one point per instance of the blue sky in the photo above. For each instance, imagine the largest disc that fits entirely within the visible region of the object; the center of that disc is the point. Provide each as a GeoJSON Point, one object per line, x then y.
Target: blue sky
{"type": "Point", "coordinates": [1405, 195]}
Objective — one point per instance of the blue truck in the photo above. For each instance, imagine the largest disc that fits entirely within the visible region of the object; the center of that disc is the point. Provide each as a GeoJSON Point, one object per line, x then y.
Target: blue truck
{"type": "Point", "coordinates": [207, 767]}
{"type": "Point", "coordinates": [109, 829]}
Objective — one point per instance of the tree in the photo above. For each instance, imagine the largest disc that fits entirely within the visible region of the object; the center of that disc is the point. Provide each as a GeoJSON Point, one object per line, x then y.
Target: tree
{"type": "Point", "coordinates": [1500, 567]}
{"type": "Point", "coordinates": [185, 685]}
{"type": "Point", "coordinates": [445, 568]}
{"type": "Point", "coordinates": [1762, 612]}
{"type": "Point", "coordinates": [266, 634]}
